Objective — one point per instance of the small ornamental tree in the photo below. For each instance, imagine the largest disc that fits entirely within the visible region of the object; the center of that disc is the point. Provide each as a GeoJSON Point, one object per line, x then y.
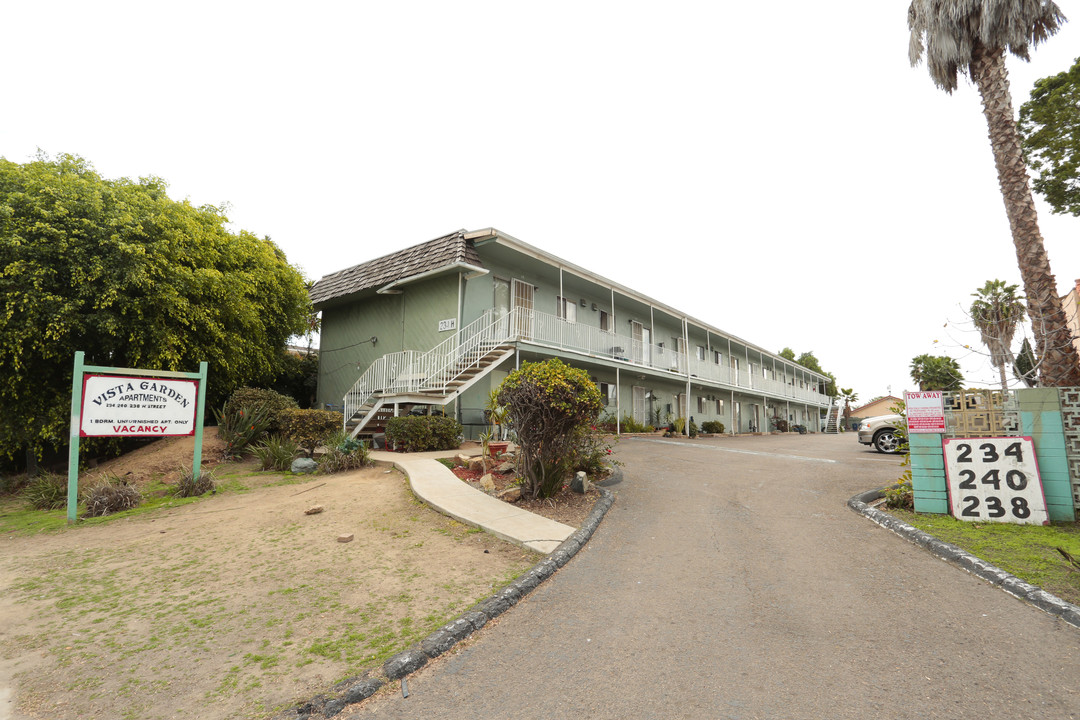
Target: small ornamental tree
{"type": "Point", "coordinates": [548, 404]}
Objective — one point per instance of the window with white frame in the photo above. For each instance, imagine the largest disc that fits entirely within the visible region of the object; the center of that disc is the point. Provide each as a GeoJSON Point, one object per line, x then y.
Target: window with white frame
{"type": "Point", "coordinates": [701, 353]}
{"type": "Point", "coordinates": [719, 407]}
{"type": "Point", "coordinates": [605, 321]}
{"type": "Point", "coordinates": [566, 309]}
{"type": "Point", "coordinates": [717, 357]}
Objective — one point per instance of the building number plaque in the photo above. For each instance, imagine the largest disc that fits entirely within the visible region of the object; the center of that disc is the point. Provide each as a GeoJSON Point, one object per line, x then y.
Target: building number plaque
{"type": "Point", "coordinates": [994, 480]}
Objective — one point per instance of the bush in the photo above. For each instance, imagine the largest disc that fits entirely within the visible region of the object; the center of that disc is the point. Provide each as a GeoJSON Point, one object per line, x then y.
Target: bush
{"type": "Point", "coordinates": [47, 491]}
{"type": "Point", "coordinates": [421, 433]}
{"type": "Point", "coordinates": [779, 424]}
{"type": "Point", "coordinates": [630, 425]}
{"type": "Point", "coordinates": [310, 428]}
{"type": "Point", "coordinates": [592, 451]}
{"type": "Point", "coordinates": [344, 453]}
{"type": "Point", "coordinates": [276, 452]}
{"type": "Point", "coordinates": [549, 402]}
{"type": "Point", "coordinates": [189, 486]}
{"type": "Point", "coordinates": [713, 427]}
{"type": "Point", "coordinates": [241, 426]}
{"type": "Point", "coordinates": [900, 495]}
{"type": "Point", "coordinates": [110, 494]}
{"type": "Point", "coordinates": [274, 402]}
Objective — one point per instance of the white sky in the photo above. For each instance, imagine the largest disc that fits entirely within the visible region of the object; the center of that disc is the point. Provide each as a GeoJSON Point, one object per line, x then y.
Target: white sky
{"type": "Point", "coordinates": [786, 177]}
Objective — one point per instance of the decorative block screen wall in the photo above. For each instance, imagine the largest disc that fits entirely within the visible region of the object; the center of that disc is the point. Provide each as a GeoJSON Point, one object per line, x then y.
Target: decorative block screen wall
{"type": "Point", "coordinates": [1050, 416]}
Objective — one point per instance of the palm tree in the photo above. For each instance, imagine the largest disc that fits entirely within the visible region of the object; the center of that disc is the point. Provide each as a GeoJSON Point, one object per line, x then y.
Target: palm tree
{"type": "Point", "coordinates": [972, 36]}
{"type": "Point", "coordinates": [996, 312]}
{"type": "Point", "coordinates": [848, 395]}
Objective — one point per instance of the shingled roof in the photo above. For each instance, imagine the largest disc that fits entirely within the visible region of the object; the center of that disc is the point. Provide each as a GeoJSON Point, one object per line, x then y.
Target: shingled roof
{"type": "Point", "coordinates": [442, 252]}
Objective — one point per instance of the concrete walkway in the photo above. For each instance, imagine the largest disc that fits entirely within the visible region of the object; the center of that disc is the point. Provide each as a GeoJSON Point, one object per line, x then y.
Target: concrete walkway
{"type": "Point", "coordinates": [437, 486]}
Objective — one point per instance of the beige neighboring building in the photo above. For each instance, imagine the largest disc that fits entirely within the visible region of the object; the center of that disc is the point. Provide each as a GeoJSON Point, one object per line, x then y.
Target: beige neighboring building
{"type": "Point", "coordinates": [879, 406]}
{"type": "Point", "coordinates": [1071, 303]}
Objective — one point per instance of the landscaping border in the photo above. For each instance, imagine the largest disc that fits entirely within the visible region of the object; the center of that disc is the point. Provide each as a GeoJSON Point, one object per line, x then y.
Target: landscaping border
{"type": "Point", "coordinates": [1031, 594]}
{"type": "Point", "coordinates": [355, 689]}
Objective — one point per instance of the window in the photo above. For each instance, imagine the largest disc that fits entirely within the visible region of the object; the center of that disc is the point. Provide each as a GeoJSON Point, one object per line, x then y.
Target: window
{"type": "Point", "coordinates": [566, 309]}
{"type": "Point", "coordinates": [719, 407]}
{"type": "Point", "coordinates": [717, 357]}
{"type": "Point", "coordinates": [606, 393]}
{"type": "Point", "coordinates": [701, 405]}
{"type": "Point", "coordinates": [701, 353]}
{"type": "Point", "coordinates": [605, 321]}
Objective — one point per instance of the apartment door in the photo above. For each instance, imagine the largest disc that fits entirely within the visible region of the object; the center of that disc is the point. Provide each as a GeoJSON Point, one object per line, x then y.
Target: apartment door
{"type": "Point", "coordinates": [637, 331]}
{"type": "Point", "coordinates": [502, 306]}
{"type": "Point", "coordinates": [523, 309]}
{"type": "Point", "coordinates": [737, 417]}
{"type": "Point", "coordinates": [640, 409]}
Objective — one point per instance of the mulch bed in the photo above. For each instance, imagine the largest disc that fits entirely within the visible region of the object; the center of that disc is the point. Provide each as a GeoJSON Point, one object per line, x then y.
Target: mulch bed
{"type": "Point", "coordinates": [567, 507]}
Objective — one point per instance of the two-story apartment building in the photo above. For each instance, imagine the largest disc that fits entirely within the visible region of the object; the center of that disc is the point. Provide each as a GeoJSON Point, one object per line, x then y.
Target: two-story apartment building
{"type": "Point", "coordinates": [443, 322]}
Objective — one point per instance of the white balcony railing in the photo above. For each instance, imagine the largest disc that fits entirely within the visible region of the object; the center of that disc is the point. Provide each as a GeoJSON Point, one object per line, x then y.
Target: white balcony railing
{"type": "Point", "coordinates": [411, 371]}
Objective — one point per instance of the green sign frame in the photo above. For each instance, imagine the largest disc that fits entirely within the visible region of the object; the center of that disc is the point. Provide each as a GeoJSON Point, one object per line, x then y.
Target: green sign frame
{"type": "Point", "coordinates": [79, 371]}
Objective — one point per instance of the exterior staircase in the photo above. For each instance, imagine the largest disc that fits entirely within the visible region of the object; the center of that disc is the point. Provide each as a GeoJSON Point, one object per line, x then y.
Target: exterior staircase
{"type": "Point", "coordinates": [433, 378]}
{"type": "Point", "coordinates": [832, 419]}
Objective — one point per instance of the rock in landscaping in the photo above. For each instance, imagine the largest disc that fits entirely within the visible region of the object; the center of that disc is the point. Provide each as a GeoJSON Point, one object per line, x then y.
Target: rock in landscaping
{"type": "Point", "coordinates": [304, 466]}
{"type": "Point", "coordinates": [314, 510]}
{"type": "Point", "coordinates": [487, 483]}
{"type": "Point", "coordinates": [346, 538]}
{"type": "Point", "coordinates": [476, 464]}
{"type": "Point", "coordinates": [461, 460]}
{"type": "Point", "coordinates": [580, 483]}
{"type": "Point", "coordinates": [510, 495]}
{"type": "Point", "coordinates": [505, 467]}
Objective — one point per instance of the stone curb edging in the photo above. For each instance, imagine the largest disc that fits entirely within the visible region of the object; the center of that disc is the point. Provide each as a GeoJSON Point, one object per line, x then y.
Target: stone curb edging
{"type": "Point", "coordinates": [353, 690]}
{"type": "Point", "coordinates": [1031, 594]}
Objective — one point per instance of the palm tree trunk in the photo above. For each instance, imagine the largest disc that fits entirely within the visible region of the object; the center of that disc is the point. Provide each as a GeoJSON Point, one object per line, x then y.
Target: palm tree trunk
{"type": "Point", "coordinates": [1059, 364]}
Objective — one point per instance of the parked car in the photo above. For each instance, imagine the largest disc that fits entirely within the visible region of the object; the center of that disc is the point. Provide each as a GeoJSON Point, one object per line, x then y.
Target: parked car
{"type": "Point", "coordinates": [881, 432]}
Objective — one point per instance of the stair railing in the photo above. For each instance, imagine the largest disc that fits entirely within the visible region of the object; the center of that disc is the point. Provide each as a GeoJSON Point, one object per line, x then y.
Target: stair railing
{"type": "Point", "coordinates": [447, 361]}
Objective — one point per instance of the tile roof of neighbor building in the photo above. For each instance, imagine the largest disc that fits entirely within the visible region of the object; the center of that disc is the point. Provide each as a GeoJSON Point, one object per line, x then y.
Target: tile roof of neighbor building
{"type": "Point", "coordinates": [441, 252]}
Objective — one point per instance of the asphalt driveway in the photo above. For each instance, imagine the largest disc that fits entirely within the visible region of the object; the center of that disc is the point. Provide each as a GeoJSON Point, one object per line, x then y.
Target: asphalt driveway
{"type": "Point", "coordinates": [730, 580]}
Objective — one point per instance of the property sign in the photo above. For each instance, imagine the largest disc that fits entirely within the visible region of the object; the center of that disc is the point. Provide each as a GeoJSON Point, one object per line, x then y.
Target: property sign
{"type": "Point", "coordinates": [925, 411]}
{"type": "Point", "coordinates": [449, 324]}
{"type": "Point", "coordinates": [119, 406]}
{"type": "Point", "coordinates": [995, 480]}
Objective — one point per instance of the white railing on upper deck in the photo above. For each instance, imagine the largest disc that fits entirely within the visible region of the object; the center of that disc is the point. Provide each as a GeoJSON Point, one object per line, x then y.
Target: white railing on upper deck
{"type": "Point", "coordinates": [412, 371]}
{"type": "Point", "coordinates": [551, 330]}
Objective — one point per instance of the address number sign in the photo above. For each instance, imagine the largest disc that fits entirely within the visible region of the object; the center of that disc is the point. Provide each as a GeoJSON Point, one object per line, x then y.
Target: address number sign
{"type": "Point", "coordinates": [995, 480]}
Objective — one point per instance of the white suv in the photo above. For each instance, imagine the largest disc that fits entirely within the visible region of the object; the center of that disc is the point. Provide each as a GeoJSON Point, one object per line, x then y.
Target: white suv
{"type": "Point", "coordinates": [881, 432]}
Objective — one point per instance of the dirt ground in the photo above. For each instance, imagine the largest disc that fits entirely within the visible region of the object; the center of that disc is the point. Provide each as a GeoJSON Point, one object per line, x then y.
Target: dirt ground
{"type": "Point", "coordinates": [237, 605]}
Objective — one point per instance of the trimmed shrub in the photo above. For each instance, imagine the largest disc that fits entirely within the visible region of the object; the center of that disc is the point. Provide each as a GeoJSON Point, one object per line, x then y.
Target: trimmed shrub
{"type": "Point", "coordinates": [109, 495]}
{"type": "Point", "coordinates": [549, 403]}
{"type": "Point", "coordinates": [713, 427]}
{"type": "Point", "coordinates": [241, 426]}
{"type": "Point", "coordinates": [310, 428]}
{"type": "Point", "coordinates": [422, 433]}
{"type": "Point", "coordinates": [276, 452]}
{"type": "Point", "coordinates": [592, 451]}
{"type": "Point", "coordinates": [47, 491]}
{"type": "Point", "coordinates": [188, 486]}
{"type": "Point", "coordinates": [274, 402]}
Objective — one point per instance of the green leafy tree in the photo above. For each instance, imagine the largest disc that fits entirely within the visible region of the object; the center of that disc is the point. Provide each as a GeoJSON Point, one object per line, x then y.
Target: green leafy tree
{"type": "Point", "coordinates": [119, 270]}
{"type": "Point", "coordinates": [971, 36]}
{"type": "Point", "coordinates": [1024, 369]}
{"type": "Point", "coordinates": [809, 361]}
{"type": "Point", "coordinates": [848, 395]}
{"type": "Point", "coordinates": [1050, 126]}
{"type": "Point", "coordinates": [996, 312]}
{"type": "Point", "coordinates": [933, 372]}
{"type": "Point", "coordinates": [549, 405]}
